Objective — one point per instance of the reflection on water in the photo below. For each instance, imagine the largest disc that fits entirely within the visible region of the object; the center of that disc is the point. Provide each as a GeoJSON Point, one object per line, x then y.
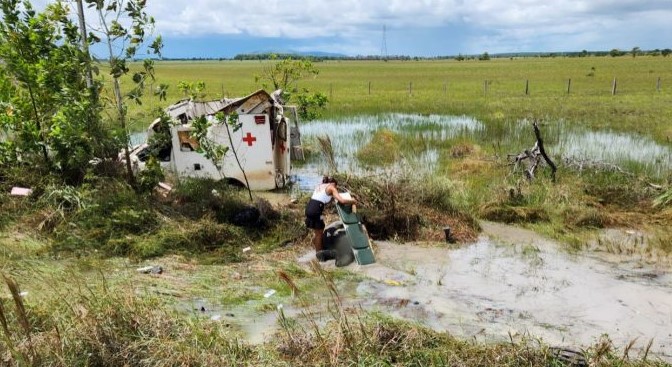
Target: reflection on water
{"type": "Point", "coordinates": [348, 135]}
{"type": "Point", "coordinates": [563, 141]}
{"type": "Point", "coordinates": [429, 132]}
{"type": "Point", "coordinates": [616, 148]}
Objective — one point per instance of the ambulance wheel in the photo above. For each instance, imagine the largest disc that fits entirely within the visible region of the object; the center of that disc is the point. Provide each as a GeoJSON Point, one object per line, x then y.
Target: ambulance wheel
{"type": "Point", "coordinates": [280, 180]}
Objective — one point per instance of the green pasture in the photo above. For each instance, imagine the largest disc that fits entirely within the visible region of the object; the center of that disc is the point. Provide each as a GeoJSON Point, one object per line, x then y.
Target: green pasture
{"type": "Point", "coordinates": [491, 91]}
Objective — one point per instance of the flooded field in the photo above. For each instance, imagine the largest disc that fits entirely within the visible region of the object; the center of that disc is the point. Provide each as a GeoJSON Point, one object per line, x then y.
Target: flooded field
{"type": "Point", "coordinates": [510, 283]}
{"type": "Point", "coordinates": [425, 136]}
{"type": "Point", "coordinates": [348, 136]}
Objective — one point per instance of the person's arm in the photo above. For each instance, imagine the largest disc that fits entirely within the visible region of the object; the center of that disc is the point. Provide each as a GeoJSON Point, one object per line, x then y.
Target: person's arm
{"type": "Point", "coordinates": [334, 193]}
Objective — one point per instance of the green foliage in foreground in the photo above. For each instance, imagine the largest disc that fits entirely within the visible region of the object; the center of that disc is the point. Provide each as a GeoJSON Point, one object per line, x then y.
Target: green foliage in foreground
{"type": "Point", "coordinates": [48, 116]}
{"type": "Point", "coordinates": [107, 217]}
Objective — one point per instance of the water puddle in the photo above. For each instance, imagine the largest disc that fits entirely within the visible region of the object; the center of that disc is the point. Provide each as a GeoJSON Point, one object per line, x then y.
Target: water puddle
{"type": "Point", "coordinates": [509, 283]}
{"type": "Point", "coordinates": [348, 135]}
{"type": "Point", "coordinates": [512, 282]}
{"type": "Point", "coordinates": [254, 326]}
{"type": "Point", "coordinates": [425, 135]}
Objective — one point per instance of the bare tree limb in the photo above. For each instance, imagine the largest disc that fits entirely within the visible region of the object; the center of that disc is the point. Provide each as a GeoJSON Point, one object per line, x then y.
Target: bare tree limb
{"type": "Point", "coordinates": [540, 145]}
{"type": "Point", "coordinates": [533, 156]}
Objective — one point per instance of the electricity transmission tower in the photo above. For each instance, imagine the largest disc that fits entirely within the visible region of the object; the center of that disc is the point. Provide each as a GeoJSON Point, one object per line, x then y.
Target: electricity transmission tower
{"type": "Point", "coordinates": [383, 47]}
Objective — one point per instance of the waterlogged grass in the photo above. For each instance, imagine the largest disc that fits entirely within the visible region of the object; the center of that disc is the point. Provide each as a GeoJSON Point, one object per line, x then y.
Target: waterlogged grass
{"type": "Point", "coordinates": [425, 138]}
{"type": "Point", "coordinates": [418, 138]}
{"type": "Point", "coordinates": [450, 87]}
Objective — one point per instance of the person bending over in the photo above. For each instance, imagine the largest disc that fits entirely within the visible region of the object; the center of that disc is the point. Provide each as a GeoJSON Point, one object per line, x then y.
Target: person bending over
{"type": "Point", "coordinates": [322, 195]}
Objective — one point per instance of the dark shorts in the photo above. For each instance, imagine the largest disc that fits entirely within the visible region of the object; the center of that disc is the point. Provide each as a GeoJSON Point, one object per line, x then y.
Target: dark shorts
{"type": "Point", "coordinates": [314, 215]}
{"type": "Point", "coordinates": [314, 222]}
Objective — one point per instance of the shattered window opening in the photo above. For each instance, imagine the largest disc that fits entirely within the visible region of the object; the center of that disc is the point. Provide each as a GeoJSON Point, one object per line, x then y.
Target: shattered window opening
{"type": "Point", "coordinates": [187, 142]}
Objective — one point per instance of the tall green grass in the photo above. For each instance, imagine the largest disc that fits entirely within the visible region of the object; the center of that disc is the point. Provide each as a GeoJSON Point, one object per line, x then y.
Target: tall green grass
{"type": "Point", "coordinates": [458, 87]}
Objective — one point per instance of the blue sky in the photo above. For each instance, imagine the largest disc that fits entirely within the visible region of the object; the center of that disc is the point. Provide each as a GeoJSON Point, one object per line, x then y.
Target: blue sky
{"type": "Point", "coordinates": [224, 28]}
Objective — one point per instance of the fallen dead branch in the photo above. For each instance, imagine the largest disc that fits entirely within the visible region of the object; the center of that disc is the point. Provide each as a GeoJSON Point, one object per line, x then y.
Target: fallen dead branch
{"type": "Point", "coordinates": [534, 156]}
{"type": "Point", "coordinates": [579, 165]}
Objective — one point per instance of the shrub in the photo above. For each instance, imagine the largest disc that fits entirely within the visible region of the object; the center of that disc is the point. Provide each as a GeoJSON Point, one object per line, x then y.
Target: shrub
{"type": "Point", "coordinates": [114, 212]}
{"type": "Point", "coordinates": [400, 206]}
{"type": "Point", "coordinates": [383, 149]}
{"type": "Point", "coordinates": [196, 198]}
{"type": "Point", "coordinates": [585, 217]}
{"type": "Point", "coordinates": [615, 188]}
{"type": "Point", "coordinates": [514, 214]}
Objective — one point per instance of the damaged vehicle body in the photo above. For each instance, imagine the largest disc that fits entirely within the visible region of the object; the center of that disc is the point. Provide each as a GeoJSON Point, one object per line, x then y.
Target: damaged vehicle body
{"type": "Point", "coordinates": [263, 144]}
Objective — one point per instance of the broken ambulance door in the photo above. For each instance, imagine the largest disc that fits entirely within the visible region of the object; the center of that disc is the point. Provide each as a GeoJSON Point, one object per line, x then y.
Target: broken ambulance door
{"type": "Point", "coordinates": [296, 149]}
{"type": "Point", "coordinates": [281, 152]}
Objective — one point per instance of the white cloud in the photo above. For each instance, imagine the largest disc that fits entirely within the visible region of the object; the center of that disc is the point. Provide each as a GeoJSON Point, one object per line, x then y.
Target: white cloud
{"type": "Point", "coordinates": [493, 25]}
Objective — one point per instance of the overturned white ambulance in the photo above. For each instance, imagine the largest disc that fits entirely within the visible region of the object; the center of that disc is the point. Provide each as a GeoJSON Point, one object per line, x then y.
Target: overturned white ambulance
{"type": "Point", "coordinates": [262, 144]}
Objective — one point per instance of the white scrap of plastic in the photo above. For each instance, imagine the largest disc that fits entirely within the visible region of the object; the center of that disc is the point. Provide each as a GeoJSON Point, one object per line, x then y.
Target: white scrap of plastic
{"type": "Point", "coordinates": [280, 307]}
{"type": "Point", "coordinates": [246, 249]}
{"type": "Point", "coordinates": [215, 193]}
{"type": "Point", "coordinates": [20, 191]}
{"type": "Point", "coordinates": [216, 317]}
{"type": "Point", "coordinates": [23, 294]}
{"type": "Point", "coordinates": [269, 293]}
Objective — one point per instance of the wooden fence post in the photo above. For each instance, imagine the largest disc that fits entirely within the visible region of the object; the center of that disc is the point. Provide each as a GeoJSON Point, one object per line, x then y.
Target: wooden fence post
{"type": "Point", "coordinates": [613, 87]}
{"type": "Point", "coordinates": [445, 88]}
{"type": "Point", "coordinates": [569, 84]}
{"type": "Point", "coordinates": [369, 88]}
{"type": "Point", "coordinates": [658, 84]}
{"type": "Point", "coordinates": [527, 87]}
{"type": "Point", "coordinates": [485, 87]}
{"type": "Point", "coordinates": [410, 88]}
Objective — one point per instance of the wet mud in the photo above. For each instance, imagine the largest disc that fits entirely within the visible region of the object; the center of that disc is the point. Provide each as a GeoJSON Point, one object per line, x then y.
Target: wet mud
{"type": "Point", "coordinates": [510, 283]}
{"type": "Point", "coordinates": [514, 283]}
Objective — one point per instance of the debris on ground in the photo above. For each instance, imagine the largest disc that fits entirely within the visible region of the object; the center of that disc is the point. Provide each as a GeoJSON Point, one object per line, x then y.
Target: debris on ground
{"type": "Point", "coordinates": [151, 269]}
{"type": "Point", "coordinates": [20, 191]}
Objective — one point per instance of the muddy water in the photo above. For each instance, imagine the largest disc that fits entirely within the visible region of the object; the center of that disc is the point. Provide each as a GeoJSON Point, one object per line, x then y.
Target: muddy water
{"type": "Point", "coordinates": [513, 282]}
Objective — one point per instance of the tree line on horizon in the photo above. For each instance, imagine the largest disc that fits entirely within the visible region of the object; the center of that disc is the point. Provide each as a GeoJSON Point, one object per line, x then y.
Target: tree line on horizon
{"type": "Point", "coordinates": [636, 51]}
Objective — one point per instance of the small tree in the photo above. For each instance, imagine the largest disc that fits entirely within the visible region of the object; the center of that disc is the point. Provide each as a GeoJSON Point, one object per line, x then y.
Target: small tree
{"type": "Point", "coordinates": [615, 52]}
{"type": "Point", "coordinates": [191, 89]}
{"type": "Point", "coordinates": [285, 75]}
{"type": "Point", "coordinates": [48, 110]}
{"type": "Point", "coordinates": [124, 24]}
{"type": "Point", "coordinates": [484, 57]}
{"type": "Point", "coordinates": [635, 51]}
{"type": "Point", "coordinates": [665, 52]}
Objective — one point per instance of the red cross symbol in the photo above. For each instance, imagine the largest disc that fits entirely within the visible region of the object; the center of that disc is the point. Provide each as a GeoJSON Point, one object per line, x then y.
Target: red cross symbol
{"type": "Point", "coordinates": [249, 139]}
{"type": "Point", "coordinates": [282, 146]}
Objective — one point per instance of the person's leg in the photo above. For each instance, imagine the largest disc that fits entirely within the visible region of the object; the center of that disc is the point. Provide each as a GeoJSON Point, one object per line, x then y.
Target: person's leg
{"type": "Point", "coordinates": [317, 239]}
